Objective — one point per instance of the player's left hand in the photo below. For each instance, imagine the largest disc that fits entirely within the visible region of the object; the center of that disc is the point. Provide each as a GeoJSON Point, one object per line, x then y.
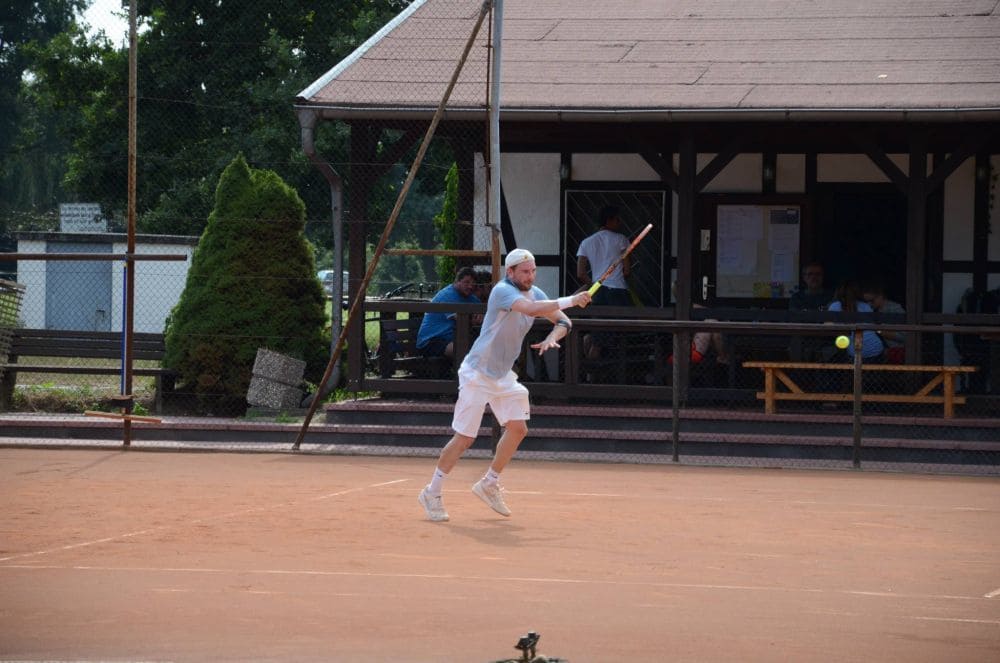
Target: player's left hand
{"type": "Point", "coordinates": [547, 344]}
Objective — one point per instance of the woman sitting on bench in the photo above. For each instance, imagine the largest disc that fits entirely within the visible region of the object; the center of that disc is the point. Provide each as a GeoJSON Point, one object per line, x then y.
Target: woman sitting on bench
{"type": "Point", "coordinates": [848, 299]}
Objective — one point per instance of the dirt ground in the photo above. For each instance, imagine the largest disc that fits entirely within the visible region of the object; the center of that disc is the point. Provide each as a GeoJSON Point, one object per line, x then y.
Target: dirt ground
{"type": "Point", "coordinates": [129, 556]}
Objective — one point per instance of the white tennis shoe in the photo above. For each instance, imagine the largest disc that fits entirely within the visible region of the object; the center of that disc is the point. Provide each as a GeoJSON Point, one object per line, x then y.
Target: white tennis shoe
{"type": "Point", "coordinates": [492, 494]}
{"type": "Point", "coordinates": [433, 505]}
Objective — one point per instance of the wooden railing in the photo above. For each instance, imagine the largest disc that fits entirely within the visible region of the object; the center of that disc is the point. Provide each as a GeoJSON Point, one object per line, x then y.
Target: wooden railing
{"type": "Point", "coordinates": [753, 335]}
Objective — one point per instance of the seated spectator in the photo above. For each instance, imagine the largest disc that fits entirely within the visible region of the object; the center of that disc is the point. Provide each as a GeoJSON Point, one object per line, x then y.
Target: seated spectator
{"type": "Point", "coordinates": [848, 299]}
{"type": "Point", "coordinates": [703, 344]}
{"type": "Point", "coordinates": [436, 337]}
{"type": "Point", "coordinates": [874, 294]}
{"type": "Point", "coordinates": [979, 350]}
{"type": "Point", "coordinates": [811, 295]}
{"type": "Point", "coordinates": [484, 283]}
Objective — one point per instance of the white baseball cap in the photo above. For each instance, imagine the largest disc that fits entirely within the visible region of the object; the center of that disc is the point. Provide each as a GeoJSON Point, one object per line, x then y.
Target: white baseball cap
{"type": "Point", "coordinates": [516, 257]}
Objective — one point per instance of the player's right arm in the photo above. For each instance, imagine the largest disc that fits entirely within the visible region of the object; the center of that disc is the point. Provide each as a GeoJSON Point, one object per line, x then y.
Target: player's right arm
{"type": "Point", "coordinates": [546, 307]}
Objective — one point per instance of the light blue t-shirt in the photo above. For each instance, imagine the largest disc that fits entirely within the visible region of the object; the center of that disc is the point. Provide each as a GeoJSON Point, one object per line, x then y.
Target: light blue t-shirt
{"type": "Point", "coordinates": [871, 343]}
{"type": "Point", "coordinates": [442, 325]}
{"type": "Point", "coordinates": [499, 344]}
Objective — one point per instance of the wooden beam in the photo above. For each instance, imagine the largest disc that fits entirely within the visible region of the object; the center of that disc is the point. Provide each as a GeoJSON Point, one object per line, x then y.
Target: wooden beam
{"type": "Point", "coordinates": [878, 156]}
{"type": "Point", "coordinates": [981, 224]}
{"type": "Point", "coordinates": [972, 144]}
{"type": "Point", "coordinates": [686, 227]}
{"type": "Point", "coordinates": [663, 167]}
{"type": "Point", "coordinates": [506, 228]}
{"type": "Point", "coordinates": [716, 165]}
{"type": "Point", "coordinates": [916, 241]}
{"type": "Point", "coordinates": [453, 253]}
{"type": "Point", "coordinates": [396, 151]}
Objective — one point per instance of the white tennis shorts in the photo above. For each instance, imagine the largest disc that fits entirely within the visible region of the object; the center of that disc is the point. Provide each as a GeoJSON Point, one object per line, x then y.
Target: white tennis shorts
{"type": "Point", "coordinates": [507, 397]}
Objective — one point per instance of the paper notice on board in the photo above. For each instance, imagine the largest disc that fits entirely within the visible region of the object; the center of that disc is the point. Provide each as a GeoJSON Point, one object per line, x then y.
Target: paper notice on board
{"type": "Point", "coordinates": [744, 222]}
{"type": "Point", "coordinates": [783, 267]}
{"type": "Point", "coordinates": [783, 233]}
{"type": "Point", "coordinates": [736, 257]}
{"type": "Point", "coordinates": [740, 227]}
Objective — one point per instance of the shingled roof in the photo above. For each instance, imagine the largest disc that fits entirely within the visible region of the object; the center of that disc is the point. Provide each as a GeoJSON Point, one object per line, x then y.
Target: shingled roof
{"type": "Point", "coordinates": [697, 59]}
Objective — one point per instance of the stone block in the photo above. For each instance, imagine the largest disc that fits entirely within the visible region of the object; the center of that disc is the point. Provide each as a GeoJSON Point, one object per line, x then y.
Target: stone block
{"type": "Point", "coordinates": [271, 394]}
{"type": "Point", "coordinates": [278, 367]}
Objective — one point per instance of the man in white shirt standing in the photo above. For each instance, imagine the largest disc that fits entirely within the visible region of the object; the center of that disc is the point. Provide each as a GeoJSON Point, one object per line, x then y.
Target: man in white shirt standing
{"type": "Point", "coordinates": [486, 376]}
{"type": "Point", "coordinates": [595, 255]}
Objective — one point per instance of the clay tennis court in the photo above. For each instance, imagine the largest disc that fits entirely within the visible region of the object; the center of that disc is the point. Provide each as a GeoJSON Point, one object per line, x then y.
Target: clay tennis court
{"type": "Point", "coordinates": [129, 556]}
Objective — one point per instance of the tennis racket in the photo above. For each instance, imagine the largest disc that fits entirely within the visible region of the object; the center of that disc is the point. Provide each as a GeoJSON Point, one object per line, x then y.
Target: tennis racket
{"type": "Point", "coordinates": [635, 242]}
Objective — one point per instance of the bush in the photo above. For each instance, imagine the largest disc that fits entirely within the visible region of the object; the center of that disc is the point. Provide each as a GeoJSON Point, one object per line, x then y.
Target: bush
{"type": "Point", "coordinates": [252, 284]}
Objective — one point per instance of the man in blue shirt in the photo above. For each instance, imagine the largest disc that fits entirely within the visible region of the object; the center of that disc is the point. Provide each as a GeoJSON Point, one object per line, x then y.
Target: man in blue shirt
{"type": "Point", "coordinates": [436, 336]}
{"type": "Point", "coordinates": [485, 376]}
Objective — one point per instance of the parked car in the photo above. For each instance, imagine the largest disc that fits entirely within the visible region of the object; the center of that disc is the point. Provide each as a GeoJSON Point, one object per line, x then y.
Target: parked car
{"type": "Point", "coordinates": [325, 277]}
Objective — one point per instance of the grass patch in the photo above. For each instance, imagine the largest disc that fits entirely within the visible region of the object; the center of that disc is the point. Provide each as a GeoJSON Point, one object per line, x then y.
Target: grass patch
{"type": "Point", "coordinates": [72, 399]}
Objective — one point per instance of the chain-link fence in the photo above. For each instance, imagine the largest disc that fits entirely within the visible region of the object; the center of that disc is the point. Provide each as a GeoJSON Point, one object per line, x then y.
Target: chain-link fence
{"type": "Point", "coordinates": [767, 394]}
{"type": "Point", "coordinates": [218, 125]}
{"type": "Point", "coordinates": [203, 128]}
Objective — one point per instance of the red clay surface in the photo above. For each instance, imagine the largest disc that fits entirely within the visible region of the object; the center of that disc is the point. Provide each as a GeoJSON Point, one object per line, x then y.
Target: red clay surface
{"type": "Point", "coordinates": [127, 556]}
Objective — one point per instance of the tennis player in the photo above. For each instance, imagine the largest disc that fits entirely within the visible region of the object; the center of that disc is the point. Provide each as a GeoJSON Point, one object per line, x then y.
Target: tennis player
{"type": "Point", "coordinates": [485, 376]}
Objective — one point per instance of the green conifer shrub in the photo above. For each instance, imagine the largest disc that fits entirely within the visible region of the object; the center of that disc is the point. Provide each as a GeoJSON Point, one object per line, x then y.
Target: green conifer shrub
{"type": "Point", "coordinates": [252, 284]}
{"type": "Point", "coordinates": [445, 223]}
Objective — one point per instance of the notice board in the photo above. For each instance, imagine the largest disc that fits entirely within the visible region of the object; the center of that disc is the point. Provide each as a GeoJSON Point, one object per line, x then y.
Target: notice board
{"type": "Point", "coordinates": [757, 250]}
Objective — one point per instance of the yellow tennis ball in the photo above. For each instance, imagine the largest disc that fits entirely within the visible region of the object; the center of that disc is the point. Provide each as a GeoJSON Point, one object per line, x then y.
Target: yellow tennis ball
{"type": "Point", "coordinates": [842, 342]}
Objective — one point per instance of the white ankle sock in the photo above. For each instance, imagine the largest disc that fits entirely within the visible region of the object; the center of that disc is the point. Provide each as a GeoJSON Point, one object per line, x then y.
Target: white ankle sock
{"type": "Point", "coordinates": [491, 476]}
{"type": "Point", "coordinates": [434, 487]}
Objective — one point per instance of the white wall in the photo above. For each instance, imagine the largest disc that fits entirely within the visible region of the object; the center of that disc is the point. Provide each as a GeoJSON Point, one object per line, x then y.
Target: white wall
{"type": "Point", "coordinates": [855, 167]}
{"type": "Point", "coordinates": [158, 284]}
{"type": "Point", "coordinates": [790, 175]}
{"type": "Point", "coordinates": [531, 187]}
{"type": "Point", "coordinates": [611, 168]}
{"type": "Point", "coordinates": [959, 210]}
{"type": "Point", "coordinates": [31, 274]}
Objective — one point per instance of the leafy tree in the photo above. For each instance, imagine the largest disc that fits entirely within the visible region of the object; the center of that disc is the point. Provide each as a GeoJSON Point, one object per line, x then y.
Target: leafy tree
{"type": "Point", "coordinates": [24, 23]}
{"type": "Point", "coordinates": [251, 284]}
{"type": "Point", "coordinates": [217, 78]}
{"type": "Point", "coordinates": [27, 157]}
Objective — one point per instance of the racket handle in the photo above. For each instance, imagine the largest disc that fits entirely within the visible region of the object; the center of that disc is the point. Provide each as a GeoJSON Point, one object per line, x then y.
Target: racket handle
{"type": "Point", "coordinates": [592, 289]}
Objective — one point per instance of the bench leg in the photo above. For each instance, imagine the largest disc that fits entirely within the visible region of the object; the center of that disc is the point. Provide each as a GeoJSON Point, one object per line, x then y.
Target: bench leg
{"type": "Point", "coordinates": [769, 402]}
{"type": "Point", "coordinates": [949, 394]}
{"type": "Point", "coordinates": [7, 389]}
{"type": "Point", "coordinates": [158, 396]}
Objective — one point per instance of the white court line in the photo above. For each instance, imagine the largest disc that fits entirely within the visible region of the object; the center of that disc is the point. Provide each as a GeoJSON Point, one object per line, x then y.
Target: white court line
{"type": "Point", "coordinates": [195, 521]}
{"type": "Point", "coordinates": [954, 619]}
{"type": "Point", "coordinates": [992, 595]}
{"type": "Point", "coordinates": [491, 579]}
{"type": "Point", "coordinates": [707, 498]}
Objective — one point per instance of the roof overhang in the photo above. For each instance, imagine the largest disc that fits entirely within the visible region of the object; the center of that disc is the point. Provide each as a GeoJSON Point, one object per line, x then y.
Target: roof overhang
{"type": "Point", "coordinates": [632, 115]}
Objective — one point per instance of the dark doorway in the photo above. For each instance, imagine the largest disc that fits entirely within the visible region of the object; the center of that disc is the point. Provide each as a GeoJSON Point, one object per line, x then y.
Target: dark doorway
{"type": "Point", "coordinates": [637, 207]}
{"type": "Point", "coordinates": [861, 235]}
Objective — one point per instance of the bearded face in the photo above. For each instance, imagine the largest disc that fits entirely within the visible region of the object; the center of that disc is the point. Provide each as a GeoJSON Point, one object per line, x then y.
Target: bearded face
{"type": "Point", "coordinates": [522, 275]}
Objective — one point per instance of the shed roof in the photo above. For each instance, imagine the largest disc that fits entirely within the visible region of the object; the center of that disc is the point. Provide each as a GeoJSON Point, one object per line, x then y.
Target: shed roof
{"type": "Point", "coordinates": [690, 59]}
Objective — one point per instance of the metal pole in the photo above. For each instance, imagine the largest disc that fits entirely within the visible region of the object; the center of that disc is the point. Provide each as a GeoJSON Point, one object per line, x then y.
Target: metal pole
{"type": "Point", "coordinates": [856, 456]}
{"type": "Point", "coordinates": [494, 215]}
{"type": "Point", "coordinates": [130, 260]}
{"type": "Point", "coordinates": [675, 397]}
{"type": "Point", "coordinates": [393, 215]}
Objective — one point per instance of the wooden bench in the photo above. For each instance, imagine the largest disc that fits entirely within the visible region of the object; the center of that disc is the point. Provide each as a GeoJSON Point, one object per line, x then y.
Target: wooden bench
{"type": "Point", "coordinates": [68, 344]}
{"type": "Point", "coordinates": [777, 371]}
{"type": "Point", "coordinates": [397, 350]}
